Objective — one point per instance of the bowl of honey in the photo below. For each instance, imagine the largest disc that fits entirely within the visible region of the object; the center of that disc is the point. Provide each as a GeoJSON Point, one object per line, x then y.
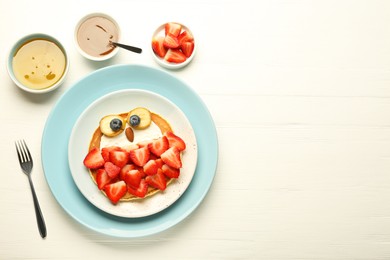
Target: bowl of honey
{"type": "Point", "coordinates": [38, 63]}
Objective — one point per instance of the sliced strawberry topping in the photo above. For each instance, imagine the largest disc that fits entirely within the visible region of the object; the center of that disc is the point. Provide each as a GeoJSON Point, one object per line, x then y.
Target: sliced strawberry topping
{"type": "Point", "coordinates": [175, 56]}
{"type": "Point", "coordinates": [171, 41]}
{"type": "Point", "coordinates": [102, 178]}
{"type": "Point", "coordinates": [125, 169]}
{"type": "Point", "coordinates": [158, 146]}
{"type": "Point", "coordinates": [157, 181]}
{"type": "Point", "coordinates": [171, 157]}
{"type": "Point", "coordinates": [140, 156]}
{"type": "Point", "coordinates": [170, 172]}
{"type": "Point", "coordinates": [94, 159]}
{"type": "Point", "coordinates": [173, 28]}
{"type": "Point", "coordinates": [158, 46]}
{"type": "Point", "coordinates": [187, 48]}
{"type": "Point", "coordinates": [176, 141]}
{"type": "Point", "coordinates": [140, 191]}
{"type": "Point", "coordinates": [151, 167]}
{"type": "Point", "coordinates": [115, 191]}
{"type": "Point", "coordinates": [111, 169]}
{"type": "Point", "coordinates": [133, 178]}
{"type": "Point", "coordinates": [106, 152]}
{"type": "Point", "coordinates": [159, 162]}
{"type": "Point", "coordinates": [119, 158]}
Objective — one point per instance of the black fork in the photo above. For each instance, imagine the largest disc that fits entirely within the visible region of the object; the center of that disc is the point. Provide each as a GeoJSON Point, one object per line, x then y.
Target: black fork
{"type": "Point", "coordinates": [26, 163]}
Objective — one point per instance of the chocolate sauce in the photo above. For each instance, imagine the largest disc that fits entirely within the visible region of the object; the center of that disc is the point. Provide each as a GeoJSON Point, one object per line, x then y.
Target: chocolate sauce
{"type": "Point", "coordinates": [95, 34]}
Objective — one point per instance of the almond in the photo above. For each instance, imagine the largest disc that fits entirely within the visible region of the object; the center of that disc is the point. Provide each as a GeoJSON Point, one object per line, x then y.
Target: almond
{"type": "Point", "coordinates": [129, 134]}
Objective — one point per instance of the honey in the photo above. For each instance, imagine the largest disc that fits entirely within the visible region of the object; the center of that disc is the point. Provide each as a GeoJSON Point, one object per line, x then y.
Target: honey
{"type": "Point", "coordinates": [39, 64]}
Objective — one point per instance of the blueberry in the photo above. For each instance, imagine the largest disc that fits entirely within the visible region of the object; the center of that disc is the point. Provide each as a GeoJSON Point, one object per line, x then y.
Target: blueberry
{"type": "Point", "coordinates": [134, 120]}
{"type": "Point", "coordinates": [116, 124]}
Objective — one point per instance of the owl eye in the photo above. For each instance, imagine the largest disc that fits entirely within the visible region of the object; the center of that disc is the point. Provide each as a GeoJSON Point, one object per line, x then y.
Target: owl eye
{"type": "Point", "coordinates": [116, 124]}
{"type": "Point", "coordinates": [112, 125]}
{"type": "Point", "coordinates": [139, 118]}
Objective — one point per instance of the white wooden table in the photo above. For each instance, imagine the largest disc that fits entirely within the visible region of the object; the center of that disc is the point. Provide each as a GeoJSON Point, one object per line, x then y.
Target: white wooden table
{"type": "Point", "coordinates": [300, 95]}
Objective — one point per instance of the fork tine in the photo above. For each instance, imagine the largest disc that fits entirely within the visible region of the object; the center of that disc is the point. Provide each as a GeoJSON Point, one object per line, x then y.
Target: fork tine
{"type": "Point", "coordinates": [28, 155]}
{"type": "Point", "coordinates": [18, 152]}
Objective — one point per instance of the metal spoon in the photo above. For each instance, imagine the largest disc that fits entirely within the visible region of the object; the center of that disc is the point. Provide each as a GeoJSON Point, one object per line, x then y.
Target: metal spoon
{"type": "Point", "coordinates": [127, 47]}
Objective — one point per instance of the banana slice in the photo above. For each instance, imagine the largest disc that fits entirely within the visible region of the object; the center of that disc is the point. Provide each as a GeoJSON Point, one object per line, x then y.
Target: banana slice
{"type": "Point", "coordinates": [139, 118]}
{"type": "Point", "coordinates": [112, 125]}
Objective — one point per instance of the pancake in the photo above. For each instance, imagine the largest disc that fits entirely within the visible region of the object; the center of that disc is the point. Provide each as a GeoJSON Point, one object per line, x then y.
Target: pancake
{"type": "Point", "coordinates": [95, 142]}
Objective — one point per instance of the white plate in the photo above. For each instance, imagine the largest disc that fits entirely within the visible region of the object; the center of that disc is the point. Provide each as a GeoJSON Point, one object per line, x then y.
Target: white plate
{"type": "Point", "coordinates": [119, 102]}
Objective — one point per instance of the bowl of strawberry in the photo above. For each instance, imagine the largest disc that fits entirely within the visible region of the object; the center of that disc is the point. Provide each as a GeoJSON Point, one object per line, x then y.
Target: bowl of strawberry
{"type": "Point", "coordinates": [173, 45]}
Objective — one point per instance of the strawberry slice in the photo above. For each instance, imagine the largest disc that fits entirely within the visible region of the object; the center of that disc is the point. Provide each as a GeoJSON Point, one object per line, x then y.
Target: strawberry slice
{"type": "Point", "coordinates": [140, 156]}
{"type": "Point", "coordinates": [115, 191]}
{"type": "Point", "coordinates": [187, 48]}
{"type": "Point", "coordinates": [159, 162]}
{"type": "Point", "coordinates": [175, 56]}
{"type": "Point", "coordinates": [176, 141]}
{"type": "Point", "coordinates": [106, 152]}
{"type": "Point", "coordinates": [140, 191]}
{"type": "Point", "coordinates": [125, 169]}
{"type": "Point", "coordinates": [171, 157]}
{"type": "Point", "coordinates": [158, 146]}
{"type": "Point", "coordinates": [157, 181]}
{"type": "Point", "coordinates": [171, 41]}
{"type": "Point", "coordinates": [102, 178]}
{"type": "Point", "coordinates": [151, 167]}
{"type": "Point", "coordinates": [94, 159]}
{"type": "Point", "coordinates": [158, 46]}
{"type": "Point", "coordinates": [119, 157]}
{"type": "Point", "coordinates": [173, 28]}
{"type": "Point", "coordinates": [170, 172]}
{"type": "Point", "coordinates": [111, 169]}
{"type": "Point", "coordinates": [185, 36]}
{"type": "Point", "coordinates": [133, 178]}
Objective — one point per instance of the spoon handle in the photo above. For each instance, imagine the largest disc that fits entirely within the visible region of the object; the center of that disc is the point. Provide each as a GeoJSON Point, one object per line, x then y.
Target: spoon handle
{"type": "Point", "coordinates": [127, 47]}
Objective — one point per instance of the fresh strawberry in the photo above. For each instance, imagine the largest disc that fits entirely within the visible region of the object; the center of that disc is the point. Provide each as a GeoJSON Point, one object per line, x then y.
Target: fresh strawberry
{"type": "Point", "coordinates": [140, 156]}
{"type": "Point", "coordinates": [171, 41]}
{"type": "Point", "coordinates": [159, 162]}
{"type": "Point", "coordinates": [140, 191]}
{"type": "Point", "coordinates": [115, 191]}
{"type": "Point", "coordinates": [170, 172]}
{"type": "Point", "coordinates": [94, 159]}
{"type": "Point", "coordinates": [111, 169]}
{"type": "Point", "coordinates": [133, 178]}
{"type": "Point", "coordinates": [158, 146]}
{"type": "Point", "coordinates": [173, 28]}
{"type": "Point", "coordinates": [102, 178]}
{"type": "Point", "coordinates": [125, 169]}
{"type": "Point", "coordinates": [187, 48]}
{"type": "Point", "coordinates": [158, 46]}
{"type": "Point", "coordinates": [157, 181]}
{"type": "Point", "coordinates": [175, 56]}
{"type": "Point", "coordinates": [151, 167]}
{"type": "Point", "coordinates": [176, 141]}
{"type": "Point", "coordinates": [119, 158]}
{"type": "Point", "coordinates": [106, 152]}
{"type": "Point", "coordinates": [171, 157]}
{"type": "Point", "coordinates": [185, 36]}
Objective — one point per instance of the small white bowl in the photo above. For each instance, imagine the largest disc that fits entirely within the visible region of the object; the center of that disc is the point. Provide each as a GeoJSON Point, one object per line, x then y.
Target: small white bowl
{"type": "Point", "coordinates": [90, 50]}
{"type": "Point", "coordinates": [45, 60]}
{"type": "Point", "coordinates": [170, 65]}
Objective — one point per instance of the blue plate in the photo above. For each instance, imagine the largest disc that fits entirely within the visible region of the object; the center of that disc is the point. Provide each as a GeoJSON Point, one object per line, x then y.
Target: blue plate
{"type": "Point", "coordinates": [66, 112]}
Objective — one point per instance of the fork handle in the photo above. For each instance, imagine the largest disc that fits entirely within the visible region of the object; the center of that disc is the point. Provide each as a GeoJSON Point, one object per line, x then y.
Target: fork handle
{"type": "Point", "coordinates": [38, 212]}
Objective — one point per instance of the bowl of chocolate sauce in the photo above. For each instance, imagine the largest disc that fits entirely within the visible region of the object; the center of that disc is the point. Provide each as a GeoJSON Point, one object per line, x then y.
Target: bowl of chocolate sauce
{"type": "Point", "coordinates": [94, 34]}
